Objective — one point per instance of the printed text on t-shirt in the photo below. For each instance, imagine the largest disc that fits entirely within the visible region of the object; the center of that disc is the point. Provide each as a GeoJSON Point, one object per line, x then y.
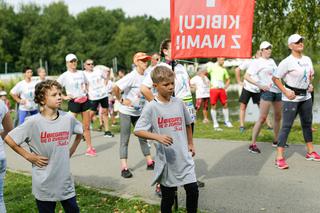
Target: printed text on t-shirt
{"type": "Point", "coordinates": [175, 122]}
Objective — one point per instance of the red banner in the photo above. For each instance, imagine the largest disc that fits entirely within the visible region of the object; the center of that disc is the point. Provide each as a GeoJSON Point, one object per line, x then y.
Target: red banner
{"type": "Point", "coordinates": [211, 28]}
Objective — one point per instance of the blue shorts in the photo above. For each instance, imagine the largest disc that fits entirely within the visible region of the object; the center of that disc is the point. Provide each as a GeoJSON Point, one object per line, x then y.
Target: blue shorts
{"type": "Point", "coordinates": [271, 96]}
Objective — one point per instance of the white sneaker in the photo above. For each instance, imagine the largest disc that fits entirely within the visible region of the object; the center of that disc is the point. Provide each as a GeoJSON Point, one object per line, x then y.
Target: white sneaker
{"type": "Point", "coordinates": [217, 129]}
{"type": "Point", "coordinates": [228, 124]}
{"type": "Point", "coordinates": [215, 125]}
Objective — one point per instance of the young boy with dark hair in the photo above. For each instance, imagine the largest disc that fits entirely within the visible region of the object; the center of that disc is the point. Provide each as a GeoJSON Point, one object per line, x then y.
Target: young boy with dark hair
{"type": "Point", "coordinates": [167, 121]}
{"type": "Point", "coordinates": [48, 135]}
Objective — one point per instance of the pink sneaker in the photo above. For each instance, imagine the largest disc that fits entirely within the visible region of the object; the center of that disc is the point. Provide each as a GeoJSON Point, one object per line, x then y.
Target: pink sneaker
{"type": "Point", "coordinates": [281, 164]}
{"type": "Point", "coordinates": [91, 152]}
{"type": "Point", "coordinates": [313, 156]}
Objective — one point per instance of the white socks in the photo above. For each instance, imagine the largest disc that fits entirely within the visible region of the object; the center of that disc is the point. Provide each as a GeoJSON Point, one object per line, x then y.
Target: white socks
{"type": "Point", "coordinates": [214, 117]}
{"type": "Point", "coordinates": [225, 114]}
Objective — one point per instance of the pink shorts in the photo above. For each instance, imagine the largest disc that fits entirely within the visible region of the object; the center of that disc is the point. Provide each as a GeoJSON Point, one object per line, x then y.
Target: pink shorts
{"type": "Point", "coordinates": [205, 102]}
{"type": "Point", "coordinates": [216, 94]}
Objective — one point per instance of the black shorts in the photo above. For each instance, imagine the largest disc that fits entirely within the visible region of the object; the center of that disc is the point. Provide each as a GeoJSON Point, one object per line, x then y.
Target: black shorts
{"type": "Point", "coordinates": [77, 107]}
{"type": "Point", "coordinates": [246, 95]}
{"type": "Point", "coordinates": [104, 103]}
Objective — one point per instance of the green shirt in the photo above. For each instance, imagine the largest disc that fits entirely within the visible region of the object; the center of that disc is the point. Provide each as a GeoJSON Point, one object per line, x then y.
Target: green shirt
{"type": "Point", "coordinates": [218, 75]}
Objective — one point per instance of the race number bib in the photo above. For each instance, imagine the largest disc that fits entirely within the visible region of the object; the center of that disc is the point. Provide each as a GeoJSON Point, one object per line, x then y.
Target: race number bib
{"type": "Point", "coordinates": [190, 107]}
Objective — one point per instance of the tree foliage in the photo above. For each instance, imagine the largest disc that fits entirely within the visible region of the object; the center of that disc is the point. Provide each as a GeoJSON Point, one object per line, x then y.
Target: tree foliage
{"type": "Point", "coordinates": [36, 34]}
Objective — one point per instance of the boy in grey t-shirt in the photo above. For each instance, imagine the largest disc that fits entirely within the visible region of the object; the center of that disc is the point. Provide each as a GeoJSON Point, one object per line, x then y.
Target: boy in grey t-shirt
{"type": "Point", "coordinates": [48, 135]}
{"type": "Point", "coordinates": [166, 120]}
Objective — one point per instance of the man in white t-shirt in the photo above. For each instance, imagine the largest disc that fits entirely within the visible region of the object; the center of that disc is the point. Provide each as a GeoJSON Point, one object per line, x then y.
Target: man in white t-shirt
{"type": "Point", "coordinates": [23, 94]}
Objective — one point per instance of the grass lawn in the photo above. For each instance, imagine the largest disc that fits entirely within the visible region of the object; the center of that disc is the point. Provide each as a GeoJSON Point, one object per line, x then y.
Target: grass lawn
{"type": "Point", "coordinates": [295, 136]}
{"type": "Point", "coordinates": [18, 198]}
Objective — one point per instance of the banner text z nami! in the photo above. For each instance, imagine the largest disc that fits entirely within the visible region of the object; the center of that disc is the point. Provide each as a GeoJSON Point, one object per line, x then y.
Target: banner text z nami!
{"type": "Point", "coordinates": [211, 28]}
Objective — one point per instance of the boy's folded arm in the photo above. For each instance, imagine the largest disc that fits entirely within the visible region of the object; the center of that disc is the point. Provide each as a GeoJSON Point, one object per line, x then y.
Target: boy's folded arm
{"type": "Point", "coordinates": [164, 139]}
{"type": "Point", "coordinates": [38, 160]}
{"type": "Point", "coordinates": [75, 144]}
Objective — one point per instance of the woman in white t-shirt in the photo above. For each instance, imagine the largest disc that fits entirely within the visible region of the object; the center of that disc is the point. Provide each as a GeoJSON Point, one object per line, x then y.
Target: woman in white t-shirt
{"type": "Point", "coordinates": [202, 85]}
{"type": "Point", "coordinates": [23, 94]}
{"type": "Point", "coordinates": [5, 127]}
{"type": "Point", "coordinates": [75, 84]}
{"type": "Point", "coordinates": [296, 71]}
{"type": "Point", "coordinates": [260, 73]}
{"type": "Point", "coordinates": [132, 103]}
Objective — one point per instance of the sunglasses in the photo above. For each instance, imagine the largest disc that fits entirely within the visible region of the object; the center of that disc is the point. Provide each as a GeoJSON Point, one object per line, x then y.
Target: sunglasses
{"type": "Point", "coordinates": [268, 48]}
{"type": "Point", "coordinates": [300, 41]}
{"type": "Point", "coordinates": [90, 64]}
{"type": "Point", "coordinates": [73, 61]}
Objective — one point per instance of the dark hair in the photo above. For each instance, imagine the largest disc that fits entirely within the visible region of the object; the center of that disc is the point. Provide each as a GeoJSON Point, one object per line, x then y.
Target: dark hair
{"type": "Point", "coordinates": [24, 70]}
{"type": "Point", "coordinates": [42, 88]}
{"type": "Point", "coordinates": [162, 73]}
{"type": "Point", "coordinates": [164, 45]}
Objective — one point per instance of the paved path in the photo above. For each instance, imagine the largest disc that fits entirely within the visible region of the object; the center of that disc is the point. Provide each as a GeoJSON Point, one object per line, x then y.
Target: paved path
{"type": "Point", "coordinates": [236, 181]}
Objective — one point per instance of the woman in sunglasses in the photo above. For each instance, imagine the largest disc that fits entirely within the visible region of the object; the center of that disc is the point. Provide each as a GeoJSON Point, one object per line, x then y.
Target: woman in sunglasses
{"type": "Point", "coordinates": [296, 72]}
{"type": "Point", "coordinates": [260, 73]}
{"type": "Point", "coordinates": [75, 84]}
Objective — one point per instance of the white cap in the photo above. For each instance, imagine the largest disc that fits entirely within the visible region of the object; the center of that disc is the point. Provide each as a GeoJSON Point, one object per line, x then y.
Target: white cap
{"type": "Point", "coordinates": [2, 93]}
{"type": "Point", "coordinates": [265, 45]}
{"type": "Point", "coordinates": [294, 38]}
{"type": "Point", "coordinates": [71, 57]}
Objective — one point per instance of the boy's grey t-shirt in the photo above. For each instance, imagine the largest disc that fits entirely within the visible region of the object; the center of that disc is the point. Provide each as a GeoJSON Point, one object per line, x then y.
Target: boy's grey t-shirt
{"type": "Point", "coordinates": [174, 164]}
{"type": "Point", "coordinates": [50, 138]}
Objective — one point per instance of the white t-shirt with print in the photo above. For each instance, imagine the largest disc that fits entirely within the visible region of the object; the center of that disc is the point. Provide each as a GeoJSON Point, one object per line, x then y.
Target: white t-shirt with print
{"type": "Point", "coordinates": [3, 111]}
{"type": "Point", "coordinates": [130, 85]}
{"type": "Point", "coordinates": [246, 84]}
{"type": "Point", "coordinates": [262, 69]}
{"type": "Point", "coordinates": [50, 138]}
{"type": "Point", "coordinates": [74, 83]}
{"type": "Point", "coordinates": [202, 86]}
{"type": "Point", "coordinates": [296, 72]}
{"type": "Point", "coordinates": [96, 84]}
{"type": "Point", "coordinates": [25, 90]}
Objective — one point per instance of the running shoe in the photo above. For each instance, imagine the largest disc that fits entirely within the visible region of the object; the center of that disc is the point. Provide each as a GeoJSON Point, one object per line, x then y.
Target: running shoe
{"type": "Point", "coordinates": [108, 134]}
{"type": "Point", "coordinates": [281, 164]}
{"type": "Point", "coordinates": [91, 152]}
{"type": "Point", "coordinates": [313, 156]}
{"type": "Point", "coordinates": [254, 149]}
{"type": "Point", "coordinates": [216, 127]}
{"type": "Point", "coordinates": [228, 124]}
{"type": "Point", "coordinates": [150, 166]}
{"type": "Point", "coordinates": [242, 129]}
{"type": "Point", "coordinates": [125, 173]}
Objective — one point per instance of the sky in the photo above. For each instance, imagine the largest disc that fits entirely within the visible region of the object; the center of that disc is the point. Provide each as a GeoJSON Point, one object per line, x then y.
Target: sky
{"type": "Point", "coordinates": [130, 7]}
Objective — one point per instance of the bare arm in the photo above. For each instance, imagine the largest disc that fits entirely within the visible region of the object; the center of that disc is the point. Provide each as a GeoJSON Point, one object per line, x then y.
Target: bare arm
{"type": "Point", "coordinates": [33, 158]}
{"type": "Point", "coordinates": [146, 91]}
{"type": "Point", "coordinates": [17, 99]}
{"type": "Point", "coordinates": [75, 144]}
{"type": "Point", "coordinates": [164, 139]}
{"type": "Point", "coordinates": [238, 76]}
{"type": "Point", "coordinates": [227, 83]}
{"type": "Point", "coordinates": [287, 92]}
{"type": "Point", "coordinates": [248, 77]}
{"type": "Point", "coordinates": [117, 92]}
{"type": "Point", "coordinates": [7, 125]}
{"type": "Point", "coordinates": [190, 140]}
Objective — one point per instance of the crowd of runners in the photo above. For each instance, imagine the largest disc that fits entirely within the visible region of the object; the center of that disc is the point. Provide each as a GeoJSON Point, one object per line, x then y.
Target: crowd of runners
{"type": "Point", "coordinates": [157, 101]}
